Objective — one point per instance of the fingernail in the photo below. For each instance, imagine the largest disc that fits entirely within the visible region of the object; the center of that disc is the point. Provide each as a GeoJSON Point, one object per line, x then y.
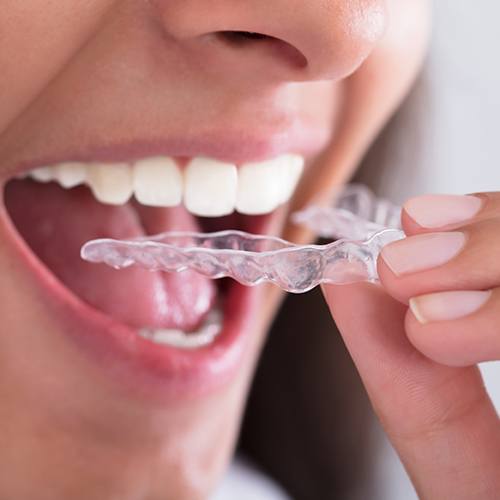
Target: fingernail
{"type": "Point", "coordinates": [441, 210]}
{"type": "Point", "coordinates": [423, 251]}
{"type": "Point", "coordinates": [446, 306]}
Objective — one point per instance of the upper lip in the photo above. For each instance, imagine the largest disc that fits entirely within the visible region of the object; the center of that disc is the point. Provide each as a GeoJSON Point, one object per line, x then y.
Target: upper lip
{"type": "Point", "coordinates": [232, 146]}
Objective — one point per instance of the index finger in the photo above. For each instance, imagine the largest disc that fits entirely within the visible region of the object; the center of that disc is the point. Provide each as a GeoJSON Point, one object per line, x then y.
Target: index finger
{"type": "Point", "coordinates": [440, 419]}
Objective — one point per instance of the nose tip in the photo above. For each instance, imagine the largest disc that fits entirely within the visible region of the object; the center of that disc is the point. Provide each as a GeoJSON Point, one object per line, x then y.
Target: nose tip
{"type": "Point", "coordinates": [293, 40]}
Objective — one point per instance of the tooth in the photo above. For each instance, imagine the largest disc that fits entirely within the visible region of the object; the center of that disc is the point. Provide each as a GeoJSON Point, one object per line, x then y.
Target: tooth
{"type": "Point", "coordinates": [70, 174]}
{"type": "Point", "coordinates": [262, 186]}
{"type": "Point", "coordinates": [42, 174]}
{"type": "Point", "coordinates": [205, 335]}
{"type": "Point", "coordinates": [259, 188]}
{"type": "Point", "coordinates": [292, 167]}
{"type": "Point", "coordinates": [110, 182]}
{"type": "Point", "coordinates": [157, 182]}
{"type": "Point", "coordinates": [210, 187]}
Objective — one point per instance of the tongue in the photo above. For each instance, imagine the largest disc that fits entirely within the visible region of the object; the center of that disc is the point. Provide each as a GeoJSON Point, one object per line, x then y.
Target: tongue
{"type": "Point", "coordinates": [56, 222]}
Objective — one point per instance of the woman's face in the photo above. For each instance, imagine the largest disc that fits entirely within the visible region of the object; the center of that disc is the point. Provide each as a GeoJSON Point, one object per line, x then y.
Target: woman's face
{"type": "Point", "coordinates": [90, 408]}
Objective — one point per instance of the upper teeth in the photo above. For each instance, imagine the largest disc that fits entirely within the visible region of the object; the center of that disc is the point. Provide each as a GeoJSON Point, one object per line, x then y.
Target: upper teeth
{"type": "Point", "coordinates": [209, 187]}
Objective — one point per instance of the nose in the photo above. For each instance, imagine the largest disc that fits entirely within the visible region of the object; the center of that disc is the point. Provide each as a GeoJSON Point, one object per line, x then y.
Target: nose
{"type": "Point", "coordinates": [293, 40]}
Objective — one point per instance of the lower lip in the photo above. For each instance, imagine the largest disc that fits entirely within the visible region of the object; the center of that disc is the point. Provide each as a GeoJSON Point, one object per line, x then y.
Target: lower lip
{"type": "Point", "coordinates": [158, 370]}
{"type": "Point", "coordinates": [136, 364]}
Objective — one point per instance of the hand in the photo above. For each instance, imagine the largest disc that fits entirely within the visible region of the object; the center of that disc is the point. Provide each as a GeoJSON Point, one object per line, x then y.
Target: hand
{"type": "Point", "coordinates": [417, 362]}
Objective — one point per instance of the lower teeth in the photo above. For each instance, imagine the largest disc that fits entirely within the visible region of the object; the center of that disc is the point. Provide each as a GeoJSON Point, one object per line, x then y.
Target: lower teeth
{"type": "Point", "coordinates": [204, 336]}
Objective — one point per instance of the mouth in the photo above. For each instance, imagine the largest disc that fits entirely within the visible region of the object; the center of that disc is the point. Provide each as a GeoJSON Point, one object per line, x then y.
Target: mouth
{"type": "Point", "coordinates": [181, 332]}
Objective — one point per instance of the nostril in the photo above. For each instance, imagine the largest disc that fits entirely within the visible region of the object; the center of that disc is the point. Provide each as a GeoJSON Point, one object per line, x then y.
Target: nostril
{"type": "Point", "coordinates": [238, 37]}
{"type": "Point", "coordinates": [275, 46]}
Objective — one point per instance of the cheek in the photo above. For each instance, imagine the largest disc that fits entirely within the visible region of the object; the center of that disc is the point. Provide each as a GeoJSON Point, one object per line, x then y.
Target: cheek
{"type": "Point", "coordinates": [363, 103]}
{"type": "Point", "coordinates": [41, 37]}
{"type": "Point", "coordinates": [319, 103]}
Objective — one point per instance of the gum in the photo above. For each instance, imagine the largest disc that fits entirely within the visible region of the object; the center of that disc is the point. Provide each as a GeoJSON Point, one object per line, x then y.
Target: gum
{"type": "Point", "coordinates": [363, 223]}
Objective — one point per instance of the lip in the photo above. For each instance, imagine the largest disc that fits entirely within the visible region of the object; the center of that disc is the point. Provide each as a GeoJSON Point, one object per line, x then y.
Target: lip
{"type": "Point", "coordinates": [231, 146]}
{"type": "Point", "coordinates": [157, 370]}
{"type": "Point", "coordinates": [136, 364]}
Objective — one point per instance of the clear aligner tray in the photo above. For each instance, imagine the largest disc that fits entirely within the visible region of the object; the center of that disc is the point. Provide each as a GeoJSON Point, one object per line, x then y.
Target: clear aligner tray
{"type": "Point", "coordinates": [363, 223]}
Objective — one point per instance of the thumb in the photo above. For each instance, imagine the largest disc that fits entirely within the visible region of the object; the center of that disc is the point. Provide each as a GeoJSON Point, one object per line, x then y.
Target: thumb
{"type": "Point", "coordinates": [439, 419]}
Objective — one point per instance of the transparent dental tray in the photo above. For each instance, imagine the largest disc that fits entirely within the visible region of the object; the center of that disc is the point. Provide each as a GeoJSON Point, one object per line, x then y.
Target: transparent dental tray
{"type": "Point", "coordinates": [363, 224]}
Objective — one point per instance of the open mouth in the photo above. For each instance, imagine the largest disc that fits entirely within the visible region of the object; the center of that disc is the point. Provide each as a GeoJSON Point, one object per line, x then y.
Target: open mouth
{"type": "Point", "coordinates": [56, 209]}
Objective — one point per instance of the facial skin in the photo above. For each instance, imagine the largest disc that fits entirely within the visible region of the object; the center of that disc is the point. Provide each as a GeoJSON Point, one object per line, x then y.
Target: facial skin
{"type": "Point", "coordinates": [78, 76]}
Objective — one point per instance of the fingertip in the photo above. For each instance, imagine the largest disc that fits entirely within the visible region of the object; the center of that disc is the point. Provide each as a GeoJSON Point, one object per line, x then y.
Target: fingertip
{"type": "Point", "coordinates": [392, 285]}
{"type": "Point", "coordinates": [409, 225]}
{"type": "Point", "coordinates": [343, 293]}
{"type": "Point", "coordinates": [441, 342]}
{"type": "Point", "coordinates": [415, 309]}
{"type": "Point", "coordinates": [439, 211]}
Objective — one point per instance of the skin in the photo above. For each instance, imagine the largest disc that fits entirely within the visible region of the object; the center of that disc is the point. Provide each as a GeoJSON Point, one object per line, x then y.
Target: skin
{"type": "Point", "coordinates": [80, 73]}
{"type": "Point", "coordinates": [422, 378]}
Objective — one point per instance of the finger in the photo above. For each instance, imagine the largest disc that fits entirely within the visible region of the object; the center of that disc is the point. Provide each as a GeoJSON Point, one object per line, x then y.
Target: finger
{"type": "Point", "coordinates": [463, 259]}
{"type": "Point", "coordinates": [457, 328]}
{"type": "Point", "coordinates": [445, 212]}
{"type": "Point", "coordinates": [440, 419]}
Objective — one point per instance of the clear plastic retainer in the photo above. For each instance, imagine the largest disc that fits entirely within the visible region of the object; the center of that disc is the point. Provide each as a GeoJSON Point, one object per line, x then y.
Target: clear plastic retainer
{"type": "Point", "coordinates": [364, 224]}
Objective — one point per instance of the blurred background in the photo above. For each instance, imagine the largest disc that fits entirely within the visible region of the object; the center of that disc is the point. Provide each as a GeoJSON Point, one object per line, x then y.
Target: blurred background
{"type": "Point", "coordinates": [456, 148]}
{"type": "Point", "coordinates": [309, 426]}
